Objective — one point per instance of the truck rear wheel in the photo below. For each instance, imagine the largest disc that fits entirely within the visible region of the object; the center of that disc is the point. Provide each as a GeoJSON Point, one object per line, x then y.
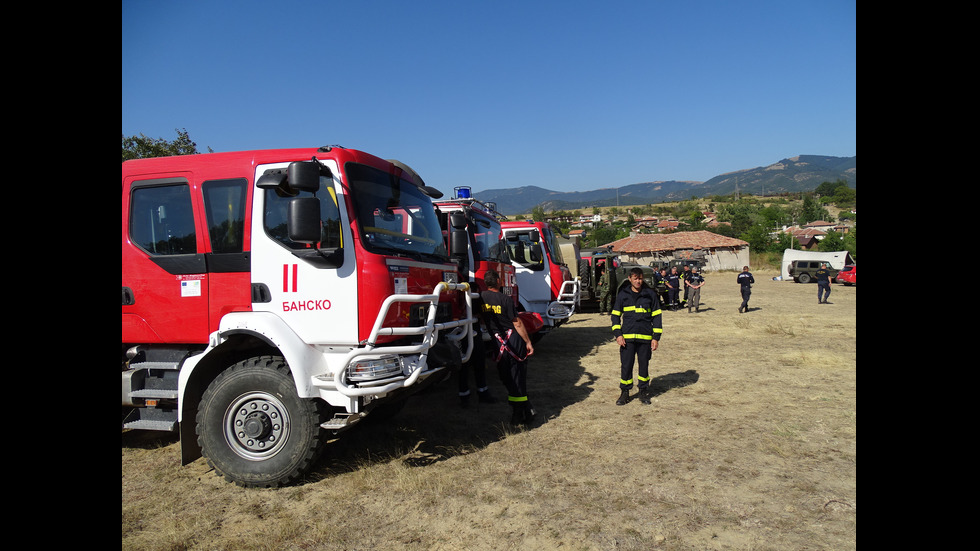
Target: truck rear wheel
{"type": "Point", "coordinates": [254, 429]}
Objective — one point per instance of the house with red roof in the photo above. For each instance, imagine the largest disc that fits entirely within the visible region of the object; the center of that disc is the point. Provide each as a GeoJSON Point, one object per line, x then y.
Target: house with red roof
{"type": "Point", "coordinates": [717, 251]}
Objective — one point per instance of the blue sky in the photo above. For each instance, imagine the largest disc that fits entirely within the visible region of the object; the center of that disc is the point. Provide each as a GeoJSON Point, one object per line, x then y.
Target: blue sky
{"type": "Point", "coordinates": [566, 95]}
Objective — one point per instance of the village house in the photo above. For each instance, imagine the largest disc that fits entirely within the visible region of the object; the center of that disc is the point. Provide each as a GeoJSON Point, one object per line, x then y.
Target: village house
{"type": "Point", "coordinates": [717, 251]}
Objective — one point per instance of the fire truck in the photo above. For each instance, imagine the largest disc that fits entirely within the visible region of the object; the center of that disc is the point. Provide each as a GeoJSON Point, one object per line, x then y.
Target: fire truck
{"type": "Point", "coordinates": [476, 244]}
{"type": "Point", "coordinates": [273, 298]}
{"type": "Point", "coordinates": [545, 282]}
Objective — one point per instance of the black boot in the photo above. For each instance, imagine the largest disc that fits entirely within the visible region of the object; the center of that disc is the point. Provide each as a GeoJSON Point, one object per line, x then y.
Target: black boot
{"type": "Point", "coordinates": [517, 413]}
{"type": "Point", "coordinates": [529, 413]}
{"type": "Point", "coordinates": [645, 396]}
{"type": "Point", "coordinates": [624, 396]}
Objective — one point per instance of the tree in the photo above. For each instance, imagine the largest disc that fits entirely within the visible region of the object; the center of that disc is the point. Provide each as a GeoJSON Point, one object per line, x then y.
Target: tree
{"type": "Point", "coordinates": [141, 147]}
{"type": "Point", "coordinates": [537, 213]}
{"type": "Point", "coordinates": [827, 189]}
{"type": "Point", "coordinates": [831, 242]}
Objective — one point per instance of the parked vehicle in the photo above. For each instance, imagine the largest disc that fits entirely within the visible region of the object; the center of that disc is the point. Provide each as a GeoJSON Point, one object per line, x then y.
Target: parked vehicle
{"type": "Point", "coordinates": [802, 271]}
{"type": "Point", "coordinates": [273, 298]}
{"type": "Point", "coordinates": [596, 259]}
{"type": "Point", "coordinates": [475, 242]}
{"type": "Point", "coordinates": [848, 275]}
{"type": "Point", "coordinates": [543, 278]}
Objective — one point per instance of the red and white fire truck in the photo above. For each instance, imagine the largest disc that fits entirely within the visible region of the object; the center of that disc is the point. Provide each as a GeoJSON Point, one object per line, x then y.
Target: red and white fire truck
{"type": "Point", "coordinates": [546, 284]}
{"type": "Point", "coordinates": [273, 298]}
{"type": "Point", "coordinates": [476, 244]}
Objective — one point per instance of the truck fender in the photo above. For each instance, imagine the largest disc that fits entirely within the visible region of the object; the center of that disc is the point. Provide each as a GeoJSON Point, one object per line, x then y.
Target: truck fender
{"type": "Point", "coordinates": [304, 360]}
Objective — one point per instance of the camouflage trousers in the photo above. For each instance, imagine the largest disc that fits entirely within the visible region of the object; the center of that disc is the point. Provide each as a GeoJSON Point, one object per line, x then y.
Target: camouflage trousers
{"type": "Point", "coordinates": [605, 302]}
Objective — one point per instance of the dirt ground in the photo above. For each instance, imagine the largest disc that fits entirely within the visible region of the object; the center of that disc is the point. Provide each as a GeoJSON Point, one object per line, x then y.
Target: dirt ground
{"type": "Point", "coordinates": [750, 443]}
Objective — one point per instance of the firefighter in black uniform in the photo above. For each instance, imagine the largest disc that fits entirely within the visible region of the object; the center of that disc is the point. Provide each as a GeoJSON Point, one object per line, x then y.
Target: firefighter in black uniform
{"type": "Point", "coordinates": [745, 281]}
{"type": "Point", "coordinates": [510, 346]}
{"type": "Point", "coordinates": [674, 286]}
{"type": "Point", "coordinates": [660, 285]}
{"type": "Point", "coordinates": [685, 273]}
{"type": "Point", "coordinates": [637, 324]}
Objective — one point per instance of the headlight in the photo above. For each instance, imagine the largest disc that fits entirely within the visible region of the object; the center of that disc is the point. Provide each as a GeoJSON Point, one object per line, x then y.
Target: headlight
{"type": "Point", "coordinates": [557, 310]}
{"type": "Point", "coordinates": [378, 368]}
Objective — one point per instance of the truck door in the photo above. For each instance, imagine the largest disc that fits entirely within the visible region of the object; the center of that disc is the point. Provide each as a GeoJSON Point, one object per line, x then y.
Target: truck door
{"type": "Point", "coordinates": [165, 285]}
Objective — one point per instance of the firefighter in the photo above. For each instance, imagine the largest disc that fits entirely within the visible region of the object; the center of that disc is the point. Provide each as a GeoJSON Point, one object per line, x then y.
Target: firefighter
{"type": "Point", "coordinates": [823, 283]}
{"type": "Point", "coordinates": [660, 284]}
{"type": "Point", "coordinates": [693, 283]}
{"type": "Point", "coordinates": [510, 346]}
{"type": "Point", "coordinates": [745, 281]}
{"type": "Point", "coordinates": [637, 324]}
{"type": "Point", "coordinates": [477, 364]}
{"type": "Point", "coordinates": [685, 273]}
{"type": "Point", "coordinates": [673, 287]}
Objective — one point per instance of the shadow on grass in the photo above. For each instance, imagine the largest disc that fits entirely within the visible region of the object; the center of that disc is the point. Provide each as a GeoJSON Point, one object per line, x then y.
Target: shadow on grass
{"type": "Point", "coordinates": [664, 383]}
{"type": "Point", "coordinates": [433, 427]}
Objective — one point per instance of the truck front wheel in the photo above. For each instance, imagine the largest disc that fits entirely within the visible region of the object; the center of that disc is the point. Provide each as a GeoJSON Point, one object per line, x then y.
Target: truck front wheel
{"type": "Point", "coordinates": [254, 429]}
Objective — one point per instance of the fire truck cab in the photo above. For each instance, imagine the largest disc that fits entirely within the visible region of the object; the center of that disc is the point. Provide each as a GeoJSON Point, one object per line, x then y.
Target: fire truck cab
{"type": "Point", "coordinates": [545, 282]}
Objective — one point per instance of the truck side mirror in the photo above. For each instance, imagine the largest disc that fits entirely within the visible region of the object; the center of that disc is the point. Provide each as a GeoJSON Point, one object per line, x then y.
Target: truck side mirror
{"type": "Point", "coordinates": [459, 243]}
{"type": "Point", "coordinates": [304, 175]}
{"type": "Point", "coordinates": [303, 219]}
{"type": "Point", "coordinates": [458, 220]}
{"type": "Point", "coordinates": [535, 249]}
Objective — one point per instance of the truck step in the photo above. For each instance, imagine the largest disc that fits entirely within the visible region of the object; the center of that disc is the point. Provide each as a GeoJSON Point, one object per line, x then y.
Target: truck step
{"type": "Point", "coordinates": [341, 421]}
{"type": "Point", "coordinates": [160, 393]}
{"type": "Point", "coordinates": [148, 424]}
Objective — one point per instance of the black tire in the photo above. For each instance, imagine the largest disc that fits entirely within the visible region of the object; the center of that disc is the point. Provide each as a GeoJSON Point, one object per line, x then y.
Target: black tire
{"type": "Point", "coordinates": [804, 278]}
{"type": "Point", "coordinates": [254, 430]}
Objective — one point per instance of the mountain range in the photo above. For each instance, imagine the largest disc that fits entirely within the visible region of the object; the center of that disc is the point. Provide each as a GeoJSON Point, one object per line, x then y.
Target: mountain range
{"type": "Point", "coordinates": [800, 173]}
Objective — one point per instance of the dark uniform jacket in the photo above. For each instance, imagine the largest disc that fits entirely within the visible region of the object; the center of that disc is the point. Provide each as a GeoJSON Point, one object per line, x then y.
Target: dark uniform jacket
{"type": "Point", "coordinates": [498, 312]}
{"type": "Point", "coordinates": [637, 316]}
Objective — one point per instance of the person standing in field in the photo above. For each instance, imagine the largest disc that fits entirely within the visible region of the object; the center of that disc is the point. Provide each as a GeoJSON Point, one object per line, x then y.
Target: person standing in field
{"type": "Point", "coordinates": [660, 285]}
{"type": "Point", "coordinates": [685, 273]}
{"type": "Point", "coordinates": [674, 287]}
{"type": "Point", "coordinates": [511, 346]}
{"type": "Point", "coordinates": [607, 286]}
{"type": "Point", "coordinates": [693, 283]}
{"type": "Point", "coordinates": [745, 281]}
{"type": "Point", "coordinates": [637, 323]}
{"type": "Point", "coordinates": [823, 283]}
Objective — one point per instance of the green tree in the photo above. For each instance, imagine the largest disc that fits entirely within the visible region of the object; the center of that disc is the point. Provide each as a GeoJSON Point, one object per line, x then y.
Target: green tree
{"type": "Point", "coordinates": [812, 210]}
{"type": "Point", "coordinates": [141, 147]}
{"type": "Point", "coordinates": [537, 213]}
{"type": "Point", "coordinates": [827, 189]}
{"type": "Point", "coordinates": [831, 242]}
{"type": "Point", "coordinates": [758, 238]}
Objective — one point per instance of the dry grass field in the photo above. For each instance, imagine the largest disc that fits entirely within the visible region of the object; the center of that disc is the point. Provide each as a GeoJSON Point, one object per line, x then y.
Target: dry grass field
{"type": "Point", "coordinates": [750, 444]}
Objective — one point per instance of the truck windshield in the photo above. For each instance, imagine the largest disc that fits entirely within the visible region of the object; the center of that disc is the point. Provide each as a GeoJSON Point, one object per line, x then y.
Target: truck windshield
{"type": "Point", "coordinates": [489, 245]}
{"type": "Point", "coordinates": [552, 241]}
{"type": "Point", "coordinates": [393, 215]}
{"type": "Point", "coordinates": [523, 251]}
